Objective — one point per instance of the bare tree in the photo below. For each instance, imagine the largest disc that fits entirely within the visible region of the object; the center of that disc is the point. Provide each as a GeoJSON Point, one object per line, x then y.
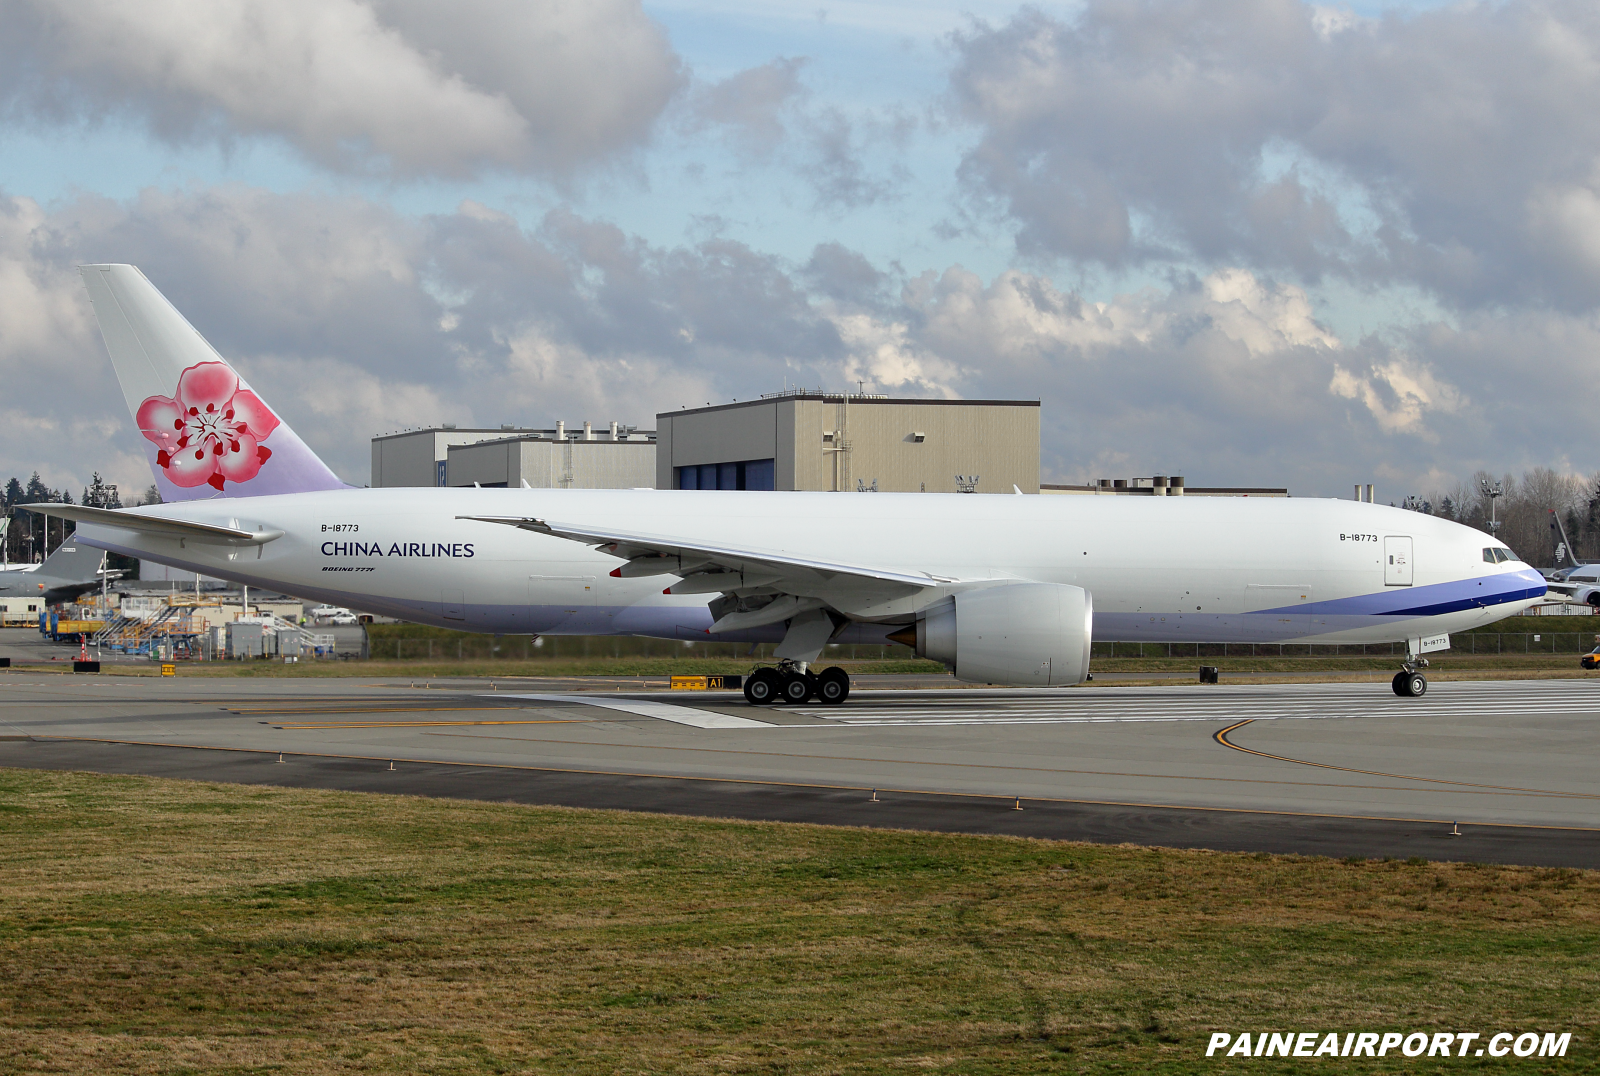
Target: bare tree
{"type": "Point", "coordinates": [1522, 510]}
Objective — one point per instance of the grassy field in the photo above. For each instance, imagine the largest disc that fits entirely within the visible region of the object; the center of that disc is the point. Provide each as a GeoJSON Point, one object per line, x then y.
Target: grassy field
{"type": "Point", "coordinates": [420, 652]}
{"type": "Point", "coordinates": [160, 926]}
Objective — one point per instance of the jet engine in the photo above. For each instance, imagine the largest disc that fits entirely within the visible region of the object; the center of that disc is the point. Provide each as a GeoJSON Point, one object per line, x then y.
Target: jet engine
{"type": "Point", "coordinates": [1030, 634]}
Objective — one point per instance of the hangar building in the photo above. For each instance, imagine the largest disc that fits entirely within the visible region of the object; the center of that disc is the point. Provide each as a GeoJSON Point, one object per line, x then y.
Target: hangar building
{"type": "Point", "coordinates": [620, 457]}
{"type": "Point", "coordinates": [811, 440]}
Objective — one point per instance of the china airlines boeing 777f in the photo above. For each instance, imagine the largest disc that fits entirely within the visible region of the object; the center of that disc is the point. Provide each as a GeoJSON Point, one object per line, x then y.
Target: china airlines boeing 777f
{"type": "Point", "coordinates": [1003, 589]}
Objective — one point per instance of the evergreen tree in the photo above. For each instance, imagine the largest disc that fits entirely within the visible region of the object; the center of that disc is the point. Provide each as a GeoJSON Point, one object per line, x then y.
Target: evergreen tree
{"type": "Point", "coordinates": [101, 494]}
{"type": "Point", "coordinates": [13, 494]}
{"type": "Point", "coordinates": [36, 492]}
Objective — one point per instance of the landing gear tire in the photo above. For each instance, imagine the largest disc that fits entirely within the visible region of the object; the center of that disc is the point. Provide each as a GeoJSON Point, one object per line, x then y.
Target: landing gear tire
{"type": "Point", "coordinates": [797, 688]}
{"type": "Point", "coordinates": [761, 688]}
{"type": "Point", "coordinates": [833, 686]}
{"type": "Point", "coordinates": [1411, 685]}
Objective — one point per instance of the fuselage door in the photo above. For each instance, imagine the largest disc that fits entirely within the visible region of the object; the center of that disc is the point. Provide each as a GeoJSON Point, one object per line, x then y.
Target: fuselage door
{"type": "Point", "coordinates": [1397, 560]}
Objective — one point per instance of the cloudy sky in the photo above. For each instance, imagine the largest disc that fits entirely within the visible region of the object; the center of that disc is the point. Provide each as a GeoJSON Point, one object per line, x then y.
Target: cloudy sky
{"type": "Point", "coordinates": [1247, 241]}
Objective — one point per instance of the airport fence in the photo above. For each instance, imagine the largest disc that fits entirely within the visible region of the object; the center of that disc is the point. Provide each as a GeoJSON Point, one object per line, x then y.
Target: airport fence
{"type": "Point", "coordinates": [1472, 642]}
{"type": "Point", "coordinates": [404, 642]}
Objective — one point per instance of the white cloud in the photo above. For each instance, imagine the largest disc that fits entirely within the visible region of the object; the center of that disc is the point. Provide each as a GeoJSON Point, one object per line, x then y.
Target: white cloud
{"type": "Point", "coordinates": [353, 321]}
{"type": "Point", "coordinates": [416, 88]}
{"type": "Point", "coordinates": [1398, 393]}
{"type": "Point", "coordinates": [883, 354]}
{"type": "Point", "coordinates": [1452, 149]}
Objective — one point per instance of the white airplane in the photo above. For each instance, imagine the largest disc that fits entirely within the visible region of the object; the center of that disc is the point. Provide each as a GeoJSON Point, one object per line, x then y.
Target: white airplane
{"type": "Point", "coordinates": [1003, 589]}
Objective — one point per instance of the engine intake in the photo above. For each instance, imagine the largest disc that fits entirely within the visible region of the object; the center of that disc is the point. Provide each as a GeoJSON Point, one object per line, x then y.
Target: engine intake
{"type": "Point", "coordinates": [1029, 634]}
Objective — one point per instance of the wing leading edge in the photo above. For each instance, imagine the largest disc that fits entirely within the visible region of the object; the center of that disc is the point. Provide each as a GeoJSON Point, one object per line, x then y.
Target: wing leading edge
{"type": "Point", "coordinates": [794, 584]}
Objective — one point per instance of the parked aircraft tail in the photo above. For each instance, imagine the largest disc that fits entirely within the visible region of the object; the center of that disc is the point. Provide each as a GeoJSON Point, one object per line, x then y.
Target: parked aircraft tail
{"type": "Point", "coordinates": [207, 434]}
{"type": "Point", "coordinates": [74, 560]}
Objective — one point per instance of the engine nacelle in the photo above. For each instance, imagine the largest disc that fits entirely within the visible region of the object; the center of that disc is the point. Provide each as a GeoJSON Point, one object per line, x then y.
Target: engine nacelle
{"type": "Point", "coordinates": [1030, 634]}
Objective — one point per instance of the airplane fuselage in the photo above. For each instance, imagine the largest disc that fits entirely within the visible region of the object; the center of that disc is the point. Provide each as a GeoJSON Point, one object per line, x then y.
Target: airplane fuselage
{"type": "Point", "coordinates": [1159, 569]}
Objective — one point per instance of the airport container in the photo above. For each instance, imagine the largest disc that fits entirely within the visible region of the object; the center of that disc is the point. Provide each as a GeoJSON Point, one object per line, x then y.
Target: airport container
{"type": "Point", "coordinates": [244, 640]}
{"type": "Point", "coordinates": [288, 642]}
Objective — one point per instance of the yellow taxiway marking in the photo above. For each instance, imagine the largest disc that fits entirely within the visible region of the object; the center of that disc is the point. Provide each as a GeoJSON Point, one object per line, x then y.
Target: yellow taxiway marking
{"type": "Point", "coordinates": [428, 724]}
{"type": "Point", "coordinates": [1221, 736]}
{"type": "Point", "coordinates": [379, 710]}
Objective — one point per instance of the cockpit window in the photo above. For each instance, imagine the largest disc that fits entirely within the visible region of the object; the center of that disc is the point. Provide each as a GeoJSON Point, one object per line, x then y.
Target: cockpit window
{"type": "Point", "coordinates": [1497, 555]}
{"type": "Point", "coordinates": [1488, 556]}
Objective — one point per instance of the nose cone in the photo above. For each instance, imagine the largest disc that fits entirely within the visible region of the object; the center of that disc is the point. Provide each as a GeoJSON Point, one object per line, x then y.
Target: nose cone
{"type": "Point", "coordinates": [1533, 581]}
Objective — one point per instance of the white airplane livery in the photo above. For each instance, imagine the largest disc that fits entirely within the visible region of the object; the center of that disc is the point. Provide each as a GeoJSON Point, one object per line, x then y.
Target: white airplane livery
{"type": "Point", "coordinates": [1002, 589]}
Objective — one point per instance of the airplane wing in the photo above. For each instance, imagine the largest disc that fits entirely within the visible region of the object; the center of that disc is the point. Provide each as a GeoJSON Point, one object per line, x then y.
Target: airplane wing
{"type": "Point", "coordinates": [154, 525]}
{"type": "Point", "coordinates": [677, 556]}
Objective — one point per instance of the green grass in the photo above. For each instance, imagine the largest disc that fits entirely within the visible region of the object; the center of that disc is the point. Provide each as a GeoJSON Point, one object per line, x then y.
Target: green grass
{"type": "Point", "coordinates": [164, 926]}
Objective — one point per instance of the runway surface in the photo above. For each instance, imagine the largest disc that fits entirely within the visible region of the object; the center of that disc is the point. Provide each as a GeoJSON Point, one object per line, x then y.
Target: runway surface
{"type": "Point", "coordinates": [1334, 769]}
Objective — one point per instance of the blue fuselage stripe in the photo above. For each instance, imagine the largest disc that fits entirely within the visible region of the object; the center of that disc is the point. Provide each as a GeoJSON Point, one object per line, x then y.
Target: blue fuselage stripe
{"type": "Point", "coordinates": [1433, 600]}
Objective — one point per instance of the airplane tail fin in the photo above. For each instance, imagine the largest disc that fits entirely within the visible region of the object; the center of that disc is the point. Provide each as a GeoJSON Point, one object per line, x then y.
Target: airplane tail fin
{"type": "Point", "coordinates": [207, 434]}
{"type": "Point", "coordinates": [73, 559]}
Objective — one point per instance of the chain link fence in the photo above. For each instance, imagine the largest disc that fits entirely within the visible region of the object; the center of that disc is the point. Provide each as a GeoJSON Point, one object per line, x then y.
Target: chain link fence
{"type": "Point", "coordinates": [1474, 642]}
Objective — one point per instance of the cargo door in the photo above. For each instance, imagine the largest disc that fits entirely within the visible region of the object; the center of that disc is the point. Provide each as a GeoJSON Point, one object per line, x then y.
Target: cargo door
{"type": "Point", "coordinates": [1397, 561]}
{"type": "Point", "coordinates": [455, 603]}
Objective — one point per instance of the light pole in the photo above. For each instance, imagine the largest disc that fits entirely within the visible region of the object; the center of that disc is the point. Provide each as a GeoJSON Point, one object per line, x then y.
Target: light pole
{"type": "Point", "coordinates": [1494, 493]}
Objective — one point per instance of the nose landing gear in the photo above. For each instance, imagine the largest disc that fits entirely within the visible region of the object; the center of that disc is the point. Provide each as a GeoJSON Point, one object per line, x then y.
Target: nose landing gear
{"type": "Point", "coordinates": [1409, 683]}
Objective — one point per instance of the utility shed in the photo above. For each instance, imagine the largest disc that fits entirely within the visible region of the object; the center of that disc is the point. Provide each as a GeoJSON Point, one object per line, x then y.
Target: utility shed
{"type": "Point", "coordinates": [853, 442]}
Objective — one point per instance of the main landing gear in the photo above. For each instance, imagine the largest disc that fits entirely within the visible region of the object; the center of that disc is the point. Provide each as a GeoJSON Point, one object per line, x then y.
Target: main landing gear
{"type": "Point", "coordinates": [792, 681]}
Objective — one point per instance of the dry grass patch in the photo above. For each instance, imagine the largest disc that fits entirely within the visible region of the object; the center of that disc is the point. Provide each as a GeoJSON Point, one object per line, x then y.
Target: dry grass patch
{"type": "Point", "coordinates": [162, 926]}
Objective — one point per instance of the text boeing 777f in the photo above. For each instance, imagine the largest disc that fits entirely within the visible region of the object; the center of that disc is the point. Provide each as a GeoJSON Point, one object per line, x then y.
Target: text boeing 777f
{"type": "Point", "coordinates": [1003, 589]}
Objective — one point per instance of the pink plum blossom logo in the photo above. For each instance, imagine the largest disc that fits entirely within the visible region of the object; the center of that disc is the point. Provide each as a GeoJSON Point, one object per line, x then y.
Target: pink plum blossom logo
{"type": "Point", "coordinates": [210, 431]}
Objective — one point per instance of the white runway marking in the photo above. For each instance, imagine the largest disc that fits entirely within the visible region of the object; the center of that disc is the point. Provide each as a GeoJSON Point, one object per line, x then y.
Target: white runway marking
{"type": "Point", "coordinates": [682, 715]}
{"type": "Point", "coordinates": [1457, 698]}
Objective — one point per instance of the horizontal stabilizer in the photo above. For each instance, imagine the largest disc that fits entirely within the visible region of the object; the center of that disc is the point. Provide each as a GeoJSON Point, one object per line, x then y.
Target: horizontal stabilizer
{"type": "Point", "coordinates": [154, 525]}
